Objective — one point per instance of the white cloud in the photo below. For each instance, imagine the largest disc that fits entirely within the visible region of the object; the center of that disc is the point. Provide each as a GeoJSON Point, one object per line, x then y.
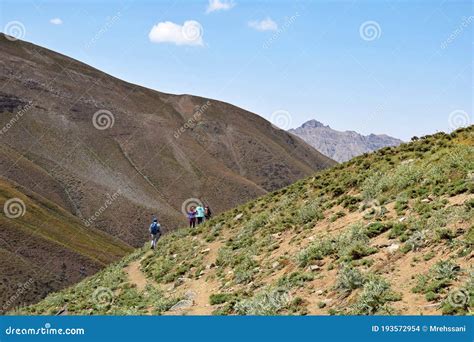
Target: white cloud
{"type": "Point", "coordinates": [219, 5]}
{"type": "Point", "coordinates": [56, 21]}
{"type": "Point", "coordinates": [190, 33]}
{"type": "Point", "coordinates": [264, 25]}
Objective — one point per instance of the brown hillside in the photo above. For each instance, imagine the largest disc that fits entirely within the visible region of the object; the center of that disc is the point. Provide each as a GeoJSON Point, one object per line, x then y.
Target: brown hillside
{"type": "Point", "coordinates": [44, 248]}
{"type": "Point", "coordinates": [50, 145]}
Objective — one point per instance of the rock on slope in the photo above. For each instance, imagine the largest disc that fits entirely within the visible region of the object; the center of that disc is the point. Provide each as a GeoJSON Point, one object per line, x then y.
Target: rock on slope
{"type": "Point", "coordinates": [52, 144]}
{"type": "Point", "coordinates": [388, 232]}
{"type": "Point", "coordinates": [341, 146]}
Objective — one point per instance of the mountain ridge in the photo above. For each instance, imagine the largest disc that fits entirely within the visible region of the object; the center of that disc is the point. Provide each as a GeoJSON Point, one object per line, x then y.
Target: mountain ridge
{"type": "Point", "coordinates": [341, 145]}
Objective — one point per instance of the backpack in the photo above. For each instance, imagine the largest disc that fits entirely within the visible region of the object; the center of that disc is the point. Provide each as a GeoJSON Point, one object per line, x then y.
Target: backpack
{"type": "Point", "coordinates": [154, 228]}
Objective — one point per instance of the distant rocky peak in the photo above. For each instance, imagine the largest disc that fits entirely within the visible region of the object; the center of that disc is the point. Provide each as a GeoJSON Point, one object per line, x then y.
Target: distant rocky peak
{"type": "Point", "coordinates": [341, 146]}
{"type": "Point", "coordinates": [313, 124]}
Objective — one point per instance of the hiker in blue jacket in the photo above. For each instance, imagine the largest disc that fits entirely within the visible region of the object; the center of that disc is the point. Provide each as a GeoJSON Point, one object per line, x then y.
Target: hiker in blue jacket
{"type": "Point", "coordinates": [200, 214]}
{"type": "Point", "coordinates": [155, 232]}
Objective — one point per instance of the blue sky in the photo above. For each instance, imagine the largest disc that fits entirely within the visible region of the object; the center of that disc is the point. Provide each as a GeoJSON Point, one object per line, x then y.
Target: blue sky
{"type": "Point", "coordinates": [306, 59]}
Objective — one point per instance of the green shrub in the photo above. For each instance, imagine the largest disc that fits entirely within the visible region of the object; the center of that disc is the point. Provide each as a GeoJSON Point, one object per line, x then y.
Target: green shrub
{"type": "Point", "coordinates": [397, 230]}
{"type": "Point", "coordinates": [431, 296]}
{"type": "Point", "coordinates": [225, 257]}
{"type": "Point", "coordinates": [347, 200]}
{"type": "Point", "coordinates": [295, 279]}
{"type": "Point", "coordinates": [373, 186]}
{"type": "Point", "coordinates": [440, 276]}
{"type": "Point", "coordinates": [429, 256]}
{"type": "Point", "coordinates": [310, 212]}
{"type": "Point", "coordinates": [354, 244]}
{"type": "Point", "coordinates": [220, 298]}
{"type": "Point", "coordinates": [375, 295]}
{"type": "Point", "coordinates": [316, 251]}
{"type": "Point", "coordinates": [270, 301]}
{"type": "Point", "coordinates": [244, 271]}
{"type": "Point", "coordinates": [445, 234]}
{"type": "Point", "coordinates": [337, 216]}
{"type": "Point", "coordinates": [401, 205]}
{"type": "Point", "coordinates": [348, 279]}
{"type": "Point", "coordinates": [377, 228]}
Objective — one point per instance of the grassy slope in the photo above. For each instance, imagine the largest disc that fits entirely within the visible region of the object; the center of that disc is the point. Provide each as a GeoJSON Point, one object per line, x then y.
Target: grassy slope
{"type": "Point", "coordinates": [44, 242]}
{"type": "Point", "coordinates": [51, 222]}
{"type": "Point", "coordinates": [389, 232]}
